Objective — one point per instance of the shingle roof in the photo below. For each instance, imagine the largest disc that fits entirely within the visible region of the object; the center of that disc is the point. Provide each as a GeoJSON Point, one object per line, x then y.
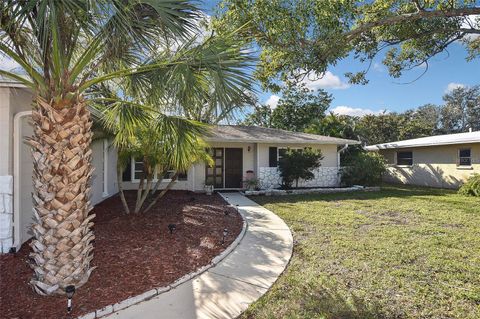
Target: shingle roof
{"type": "Point", "coordinates": [257, 134]}
{"type": "Point", "coordinates": [459, 138]}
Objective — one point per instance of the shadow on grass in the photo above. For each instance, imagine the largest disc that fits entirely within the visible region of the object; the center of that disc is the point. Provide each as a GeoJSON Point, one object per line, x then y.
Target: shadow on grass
{"type": "Point", "coordinates": [387, 191]}
{"type": "Point", "coordinates": [330, 304]}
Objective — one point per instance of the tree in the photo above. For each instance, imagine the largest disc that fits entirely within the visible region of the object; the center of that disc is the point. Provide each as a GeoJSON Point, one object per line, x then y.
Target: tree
{"type": "Point", "coordinates": [261, 116]}
{"type": "Point", "coordinates": [381, 128]}
{"type": "Point", "coordinates": [139, 120]}
{"type": "Point", "coordinates": [366, 169]}
{"type": "Point", "coordinates": [335, 125]}
{"type": "Point", "coordinates": [461, 110]}
{"type": "Point", "coordinates": [299, 107]}
{"type": "Point", "coordinates": [305, 37]}
{"type": "Point", "coordinates": [64, 48]}
{"type": "Point", "coordinates": [296, 110]}
{"type": "Point", "coordinates": [415, 123]}
{"type": "Point", "coordinates": [298, 163]}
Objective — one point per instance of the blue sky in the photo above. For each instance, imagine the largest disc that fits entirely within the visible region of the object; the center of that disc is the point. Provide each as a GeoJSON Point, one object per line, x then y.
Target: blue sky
{"type": "Point", "coordinates": [445, 71]}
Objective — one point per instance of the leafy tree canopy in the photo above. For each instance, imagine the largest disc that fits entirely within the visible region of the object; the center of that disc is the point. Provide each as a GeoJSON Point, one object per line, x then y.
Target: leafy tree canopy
{"type": "Point", "coordinates": [301, 37]}
{"type": "Point", "coordinates": [295, 111]}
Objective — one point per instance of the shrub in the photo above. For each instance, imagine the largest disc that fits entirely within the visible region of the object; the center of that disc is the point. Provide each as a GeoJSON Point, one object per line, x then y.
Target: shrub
{"type": "Point", "coordinates": [365, 169]}
{"type": "Point", "coordinates": [471, 187]}
{"type": "Point", "coordinates": [296, 164]}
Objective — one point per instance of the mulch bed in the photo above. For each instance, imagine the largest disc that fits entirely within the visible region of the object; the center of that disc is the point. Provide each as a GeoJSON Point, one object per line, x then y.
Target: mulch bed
{"type": "Point", "coordinates": [133, 254]}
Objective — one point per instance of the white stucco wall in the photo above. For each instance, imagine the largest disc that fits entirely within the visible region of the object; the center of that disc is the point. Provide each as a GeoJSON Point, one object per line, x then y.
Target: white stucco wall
{"type": "Point", "coordinates": [434, 166]}
{"type": "Point", "coordinates": [329, 153]}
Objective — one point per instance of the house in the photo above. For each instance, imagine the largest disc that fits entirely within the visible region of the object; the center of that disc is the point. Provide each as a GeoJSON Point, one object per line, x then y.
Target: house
{"type": "Point", "coordinates": [238, 151]}
{"type": "Point", "coordinates": [444, 161]}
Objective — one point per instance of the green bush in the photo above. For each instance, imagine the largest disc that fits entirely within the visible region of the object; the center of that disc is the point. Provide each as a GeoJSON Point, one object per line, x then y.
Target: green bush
{"type": "Point", "coordinates": [471, 187]}
{"type": "Point", "coordinates": [296, 164]}
{"type": "Point", "coordinates": [365, 169]}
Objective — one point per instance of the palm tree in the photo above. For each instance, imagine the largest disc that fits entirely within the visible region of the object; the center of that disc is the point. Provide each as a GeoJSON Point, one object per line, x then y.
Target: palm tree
{"type": "Point", "coordinates": [65, 47]}
{"type": "Point", "coordinates": [216, 75]}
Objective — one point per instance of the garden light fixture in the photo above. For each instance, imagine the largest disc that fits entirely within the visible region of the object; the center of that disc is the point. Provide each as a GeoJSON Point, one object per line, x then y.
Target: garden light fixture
{"type": "Point", "coordinates": [225, 234]}
{"type": "Point", "coordinates": [171, 228]}
{"type": "Point", "coordinates": [70, 291]}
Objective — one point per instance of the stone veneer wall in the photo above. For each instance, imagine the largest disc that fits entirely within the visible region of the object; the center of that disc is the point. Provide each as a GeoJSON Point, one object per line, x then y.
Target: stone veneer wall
{"type": "Point", "coordinates": [269, 178]}
{"type": "Point", "coordinates": [6, 213]}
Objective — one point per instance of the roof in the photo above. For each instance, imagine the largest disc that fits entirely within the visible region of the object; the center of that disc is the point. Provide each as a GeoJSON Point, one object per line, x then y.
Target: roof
{"type": "Point", "coordinates": [448, 139]}
{"type": "Point", "coordinates": [10, 83]}
{"type": "Point", "coordinates": [257, 134]}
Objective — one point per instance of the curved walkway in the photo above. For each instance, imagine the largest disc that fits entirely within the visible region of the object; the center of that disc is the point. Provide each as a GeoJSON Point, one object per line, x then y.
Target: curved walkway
{"type": "Point", "coordinates": [228, 288]}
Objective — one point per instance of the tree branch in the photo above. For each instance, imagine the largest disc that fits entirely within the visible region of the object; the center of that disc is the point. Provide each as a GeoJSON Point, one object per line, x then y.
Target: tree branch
{"type": "Point", "coordinates": [411, 17]}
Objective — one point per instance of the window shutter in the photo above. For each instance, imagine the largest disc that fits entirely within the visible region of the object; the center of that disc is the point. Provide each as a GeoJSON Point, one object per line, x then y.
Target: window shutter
{"type": "Point", "coordinates": [127, 173]}
{"type": "Point", "coordinates": [272, 156]}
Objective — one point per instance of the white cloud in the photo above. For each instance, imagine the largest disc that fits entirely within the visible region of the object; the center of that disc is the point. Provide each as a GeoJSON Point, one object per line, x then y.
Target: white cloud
{"type": "Point", "coordinates": [354, 111]}
{"type": "Point", "coordinates": [469, 22]}
{"type": "Point", "coordinates": [327, 81]}
{"type": "Point", "coordinates": [8, 64]}
{"type": "Point", "coordinates": [379, 67]}
{"type": "Point", "coordinates": [272, 101]}
{"type": "Point", "coordinates": [452, 86]}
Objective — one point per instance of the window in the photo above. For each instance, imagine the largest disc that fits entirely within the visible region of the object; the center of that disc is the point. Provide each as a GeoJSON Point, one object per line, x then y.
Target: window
{"type": "Point", "coordinates": [134, 171]}
{"type": "Point", "coordinates": [465, 157]}
{"type": "Point", "coordinates": [169, 174]}
{"type": "Point", "coordinates": [127, 173]}
{"type": "Point", "coordinates": [405, 158]}
{"type": "Point", "coordinates": [281, 153]}
{"type": "Point", "coordinates": [137, 169]}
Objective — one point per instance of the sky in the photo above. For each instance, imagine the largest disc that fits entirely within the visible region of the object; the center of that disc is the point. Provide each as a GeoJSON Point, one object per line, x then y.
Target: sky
{"type": "Point", "coordinates": [383, 93]}
{"type": "Point", "coordinates": [445, 72]}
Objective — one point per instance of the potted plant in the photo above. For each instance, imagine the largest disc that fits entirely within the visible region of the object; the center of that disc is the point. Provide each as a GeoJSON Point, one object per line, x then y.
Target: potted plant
{"type": "Point", "coordinates": [208, 189]}
{"type": "Point", "coordinates": [252, 184]}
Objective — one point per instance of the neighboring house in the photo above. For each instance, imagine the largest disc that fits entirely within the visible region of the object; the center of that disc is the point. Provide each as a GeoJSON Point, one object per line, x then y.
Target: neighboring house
{"type": "Point", "coordinates": [16, 166]}
{"type": "Point", "coordinates": [444, 161]}
{"type": "Point", "coordinates": [237, 151]}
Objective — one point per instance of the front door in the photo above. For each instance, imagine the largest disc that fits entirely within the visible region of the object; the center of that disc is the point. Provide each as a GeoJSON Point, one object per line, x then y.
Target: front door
{"type": "Point", "coordinates": [233, 167]}
{"type": "Point", "coordinates": [214, 174]}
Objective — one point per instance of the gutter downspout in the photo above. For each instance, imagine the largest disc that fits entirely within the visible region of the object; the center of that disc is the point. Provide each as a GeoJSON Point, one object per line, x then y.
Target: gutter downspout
{"type": "Point", "coordinates": [340, 151]}
{"type": "Point", "coordinates": [16, 177]}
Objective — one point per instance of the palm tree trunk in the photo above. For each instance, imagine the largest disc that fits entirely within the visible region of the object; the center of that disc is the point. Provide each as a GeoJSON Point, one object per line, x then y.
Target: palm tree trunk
{"type": "Point", "coordinates": [157, 184]}
{"type": "Point", "coordinates": [162, 193]}
{"type": "Point", "coordinates": [120, 190]}
{"type": "Point", "coordinates": [62, 245]}
{"type": "Point", "coordinates": [139, 192]}
{"type": "Point", "coordinates": [144, 194]}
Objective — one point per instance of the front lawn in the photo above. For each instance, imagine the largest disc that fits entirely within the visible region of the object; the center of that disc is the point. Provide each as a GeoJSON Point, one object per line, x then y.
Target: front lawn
{"type": "Point", "coordinates": [402, 252]}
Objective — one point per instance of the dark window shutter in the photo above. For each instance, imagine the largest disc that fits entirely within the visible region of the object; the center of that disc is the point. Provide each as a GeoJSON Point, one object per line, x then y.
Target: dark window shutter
{"type": "Point", "coordinates": [272, 156]}
{"type": "Point", "coordinates": [127, 173]}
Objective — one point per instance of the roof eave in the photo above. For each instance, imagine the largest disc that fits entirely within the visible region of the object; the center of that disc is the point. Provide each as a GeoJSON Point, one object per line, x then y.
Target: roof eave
{"type": "Point", "coordinates": [384, 147]}
{"type": "Point", "coordinates": [284, 141]}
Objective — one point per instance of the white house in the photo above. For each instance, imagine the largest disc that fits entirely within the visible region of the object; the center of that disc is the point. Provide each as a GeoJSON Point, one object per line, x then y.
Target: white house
{"type": "Point", "coordinates": [236, 150]}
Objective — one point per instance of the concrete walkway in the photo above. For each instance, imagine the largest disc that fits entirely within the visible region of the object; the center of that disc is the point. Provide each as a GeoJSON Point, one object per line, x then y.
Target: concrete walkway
{"type": "Point", "coordinates": [227, 289]}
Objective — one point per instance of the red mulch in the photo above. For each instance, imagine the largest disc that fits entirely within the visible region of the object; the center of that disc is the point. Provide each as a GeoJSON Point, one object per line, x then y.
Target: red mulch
{"type": "Point", "coordinates": [133, 254]}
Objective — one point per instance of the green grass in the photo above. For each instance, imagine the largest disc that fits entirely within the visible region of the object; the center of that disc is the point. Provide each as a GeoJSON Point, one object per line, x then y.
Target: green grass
{"type": "Point", "coordinates": [402, 252]}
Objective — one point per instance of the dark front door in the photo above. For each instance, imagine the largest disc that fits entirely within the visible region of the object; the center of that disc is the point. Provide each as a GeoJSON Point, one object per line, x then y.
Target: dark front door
{"type": "Point", "coordinates": [233, 167]}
